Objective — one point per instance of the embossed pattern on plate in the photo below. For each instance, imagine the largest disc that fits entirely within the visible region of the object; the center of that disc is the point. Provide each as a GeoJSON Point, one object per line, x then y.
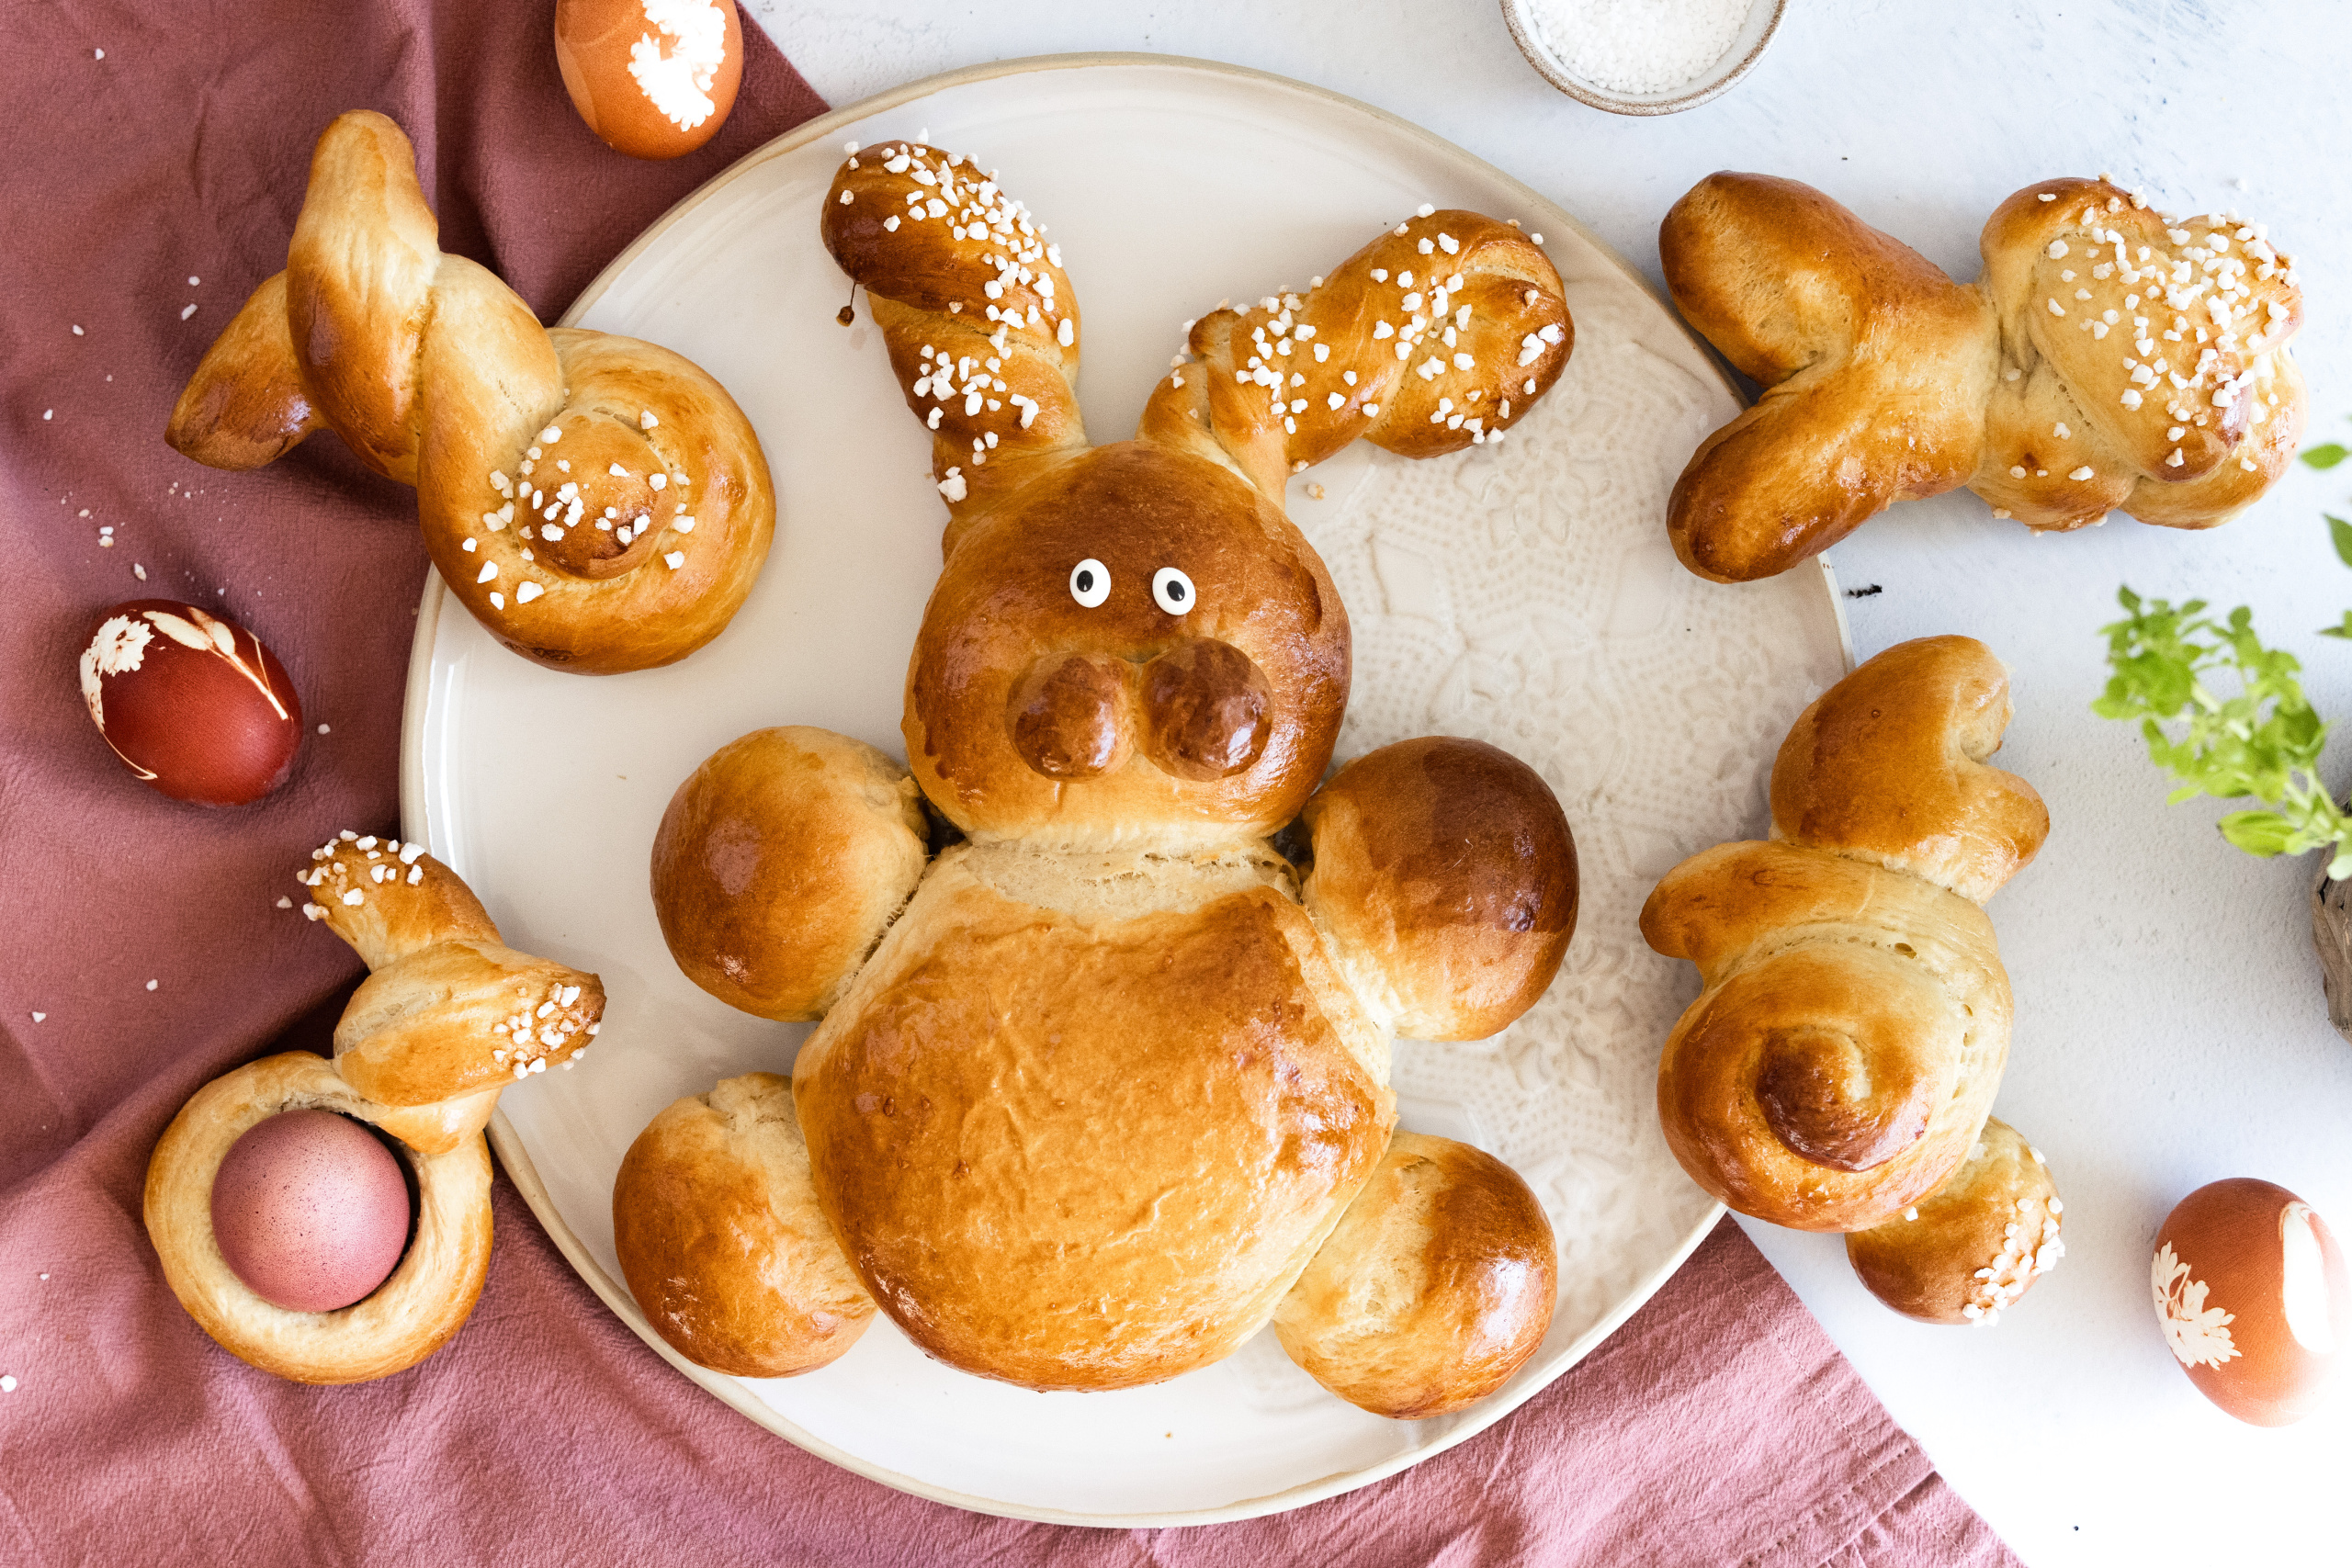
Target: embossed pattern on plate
{"type": "Point", "coordinates": [1522, 594]}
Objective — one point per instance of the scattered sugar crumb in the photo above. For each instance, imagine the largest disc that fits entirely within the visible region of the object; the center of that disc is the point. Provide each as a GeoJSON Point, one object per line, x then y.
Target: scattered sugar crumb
{"type": "Point", "coordinates": [1314, 491]}
{"type": "Point", "coordinates": [286, 903]}
{"type": "Point", "coordinates": [193, 280]}
{"type": "Point", "coordinates": [77, 330]}
{"type": "Point", "coordinates": [41, 1017]}
{"type": "Point", "coordinates": [140, 569]}
{"type": "Point", "coordinates": [322, 730]}
{"type": "Point", "coordinates": [189, 311]}
{"type": "Point", "coordinates": [8, 1384]}
{"type": "Point", "coordinates": [151, 985]}
{"type": "Point", "coordinates": [49, 414]}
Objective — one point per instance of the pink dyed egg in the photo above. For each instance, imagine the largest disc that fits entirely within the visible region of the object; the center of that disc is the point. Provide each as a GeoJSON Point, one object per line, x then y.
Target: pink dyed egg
{"type": "Point", "coordinates": [311, 1211]}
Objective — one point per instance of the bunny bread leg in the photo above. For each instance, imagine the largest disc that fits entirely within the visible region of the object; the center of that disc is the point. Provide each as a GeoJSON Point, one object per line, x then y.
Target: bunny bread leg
{"type": "Point", "coordinates": [449, 1015]}
{"type": "Point", "coordinates": [721, 1239]}
{"type": "Point", "coordinates": [1437, 1286]}
{"type": "Point", "coordinates": [1875, 367]}
{"type": "Point", "coordinates": [1437, 335]}
{"type": "Point", "coordinates": [779, 863]}
{"type": "Point", "coordinates": [1854, 1019]}
{"type": "Point", "coordinates": [1974, 1246]}
{"type": "Point", "coordinates": [1445, 876]}
{"type": "Point", "coordinates": [598, 504]}
{"type": "Point", "coordinates": [405, 1319]}
{"type": "Point", "coordinates": [980, 320]}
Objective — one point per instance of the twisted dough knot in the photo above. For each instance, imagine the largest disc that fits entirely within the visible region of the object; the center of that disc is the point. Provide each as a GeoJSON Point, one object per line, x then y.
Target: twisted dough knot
{"type": "Point", "coordinates": [449, 1015]}
{"type": "Point", "coordinates": [1435, 336]}
{"type": "Point", "coordinates": [2107, 358]}
{"type": "Point", "coordinates": [599, 504]}
{"type": "Point", "coordinates": [1855, 1017]}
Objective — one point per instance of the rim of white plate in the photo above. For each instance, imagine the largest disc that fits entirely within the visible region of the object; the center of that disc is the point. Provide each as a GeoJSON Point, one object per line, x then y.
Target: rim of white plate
{"type": "Point", "coordinates": [508, 1144]}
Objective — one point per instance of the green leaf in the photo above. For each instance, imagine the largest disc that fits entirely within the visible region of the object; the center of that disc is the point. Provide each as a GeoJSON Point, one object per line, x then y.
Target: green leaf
{"type": "Point", "coordinates": [2326, 457]}
{"type": "Point", "coordinates": [2340, 533]}
{"type": "Point", "coordinates": [2344, 631]}
{"type": "Point", "coordinates": [2263, 833]}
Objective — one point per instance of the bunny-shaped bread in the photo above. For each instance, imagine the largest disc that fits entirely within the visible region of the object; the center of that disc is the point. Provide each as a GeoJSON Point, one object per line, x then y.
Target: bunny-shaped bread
{"type": "Point", "coordinates": [447, 1018]}
{"type": "Point", "coordinates": [1099, 1089]}
{"type": "Point", "coordinates": [2108, 358]}
{"type": "Point", "coordinates": [599, 504]}
{"type": "Point", "coordinates": [1844, 1052]}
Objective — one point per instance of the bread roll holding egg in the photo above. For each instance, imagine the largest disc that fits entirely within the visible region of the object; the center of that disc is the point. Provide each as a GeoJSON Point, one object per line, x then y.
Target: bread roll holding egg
{"type": "Point", "coordinates": [654, 78]}
{"type": "Point", "coordinates": [2251, 1290]}
{"type": "Point", "coordinates": [1974, 1246]}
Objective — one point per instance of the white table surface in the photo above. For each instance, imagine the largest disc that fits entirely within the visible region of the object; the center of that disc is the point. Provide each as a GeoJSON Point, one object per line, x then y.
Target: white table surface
{"type": "Point", "coordinates": [2170, 1029]}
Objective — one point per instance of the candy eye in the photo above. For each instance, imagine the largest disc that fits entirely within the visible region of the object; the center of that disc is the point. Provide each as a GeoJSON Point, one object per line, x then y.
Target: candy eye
{"type": "Point", "coordinates": [1172, 590]}
{"type": "Point", "coordinates": [1090, 582]}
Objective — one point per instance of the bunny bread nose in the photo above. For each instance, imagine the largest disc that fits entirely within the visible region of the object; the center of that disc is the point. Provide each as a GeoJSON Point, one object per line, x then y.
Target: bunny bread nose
{"type": "Point", "coordinates": [1204, 710]}
{"type": "Point", "coordinates": [1066, 715]}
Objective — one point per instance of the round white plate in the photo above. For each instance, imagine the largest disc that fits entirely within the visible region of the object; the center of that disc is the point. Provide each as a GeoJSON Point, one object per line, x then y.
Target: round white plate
{"type": "Point", "coordinates": [1524, 594]}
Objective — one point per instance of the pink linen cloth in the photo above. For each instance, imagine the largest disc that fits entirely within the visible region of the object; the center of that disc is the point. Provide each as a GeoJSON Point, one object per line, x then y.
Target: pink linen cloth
{"type": "Point", "coordinates": [154, 159]}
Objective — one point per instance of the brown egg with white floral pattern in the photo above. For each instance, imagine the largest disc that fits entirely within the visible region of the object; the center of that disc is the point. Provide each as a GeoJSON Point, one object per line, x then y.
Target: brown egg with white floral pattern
{"type": "Point", "coordinates": [654, 78]}
{"type": "Point", "coordinates": [2254, 1299]}
{"type": "Point", "coordinates": [192, 701]}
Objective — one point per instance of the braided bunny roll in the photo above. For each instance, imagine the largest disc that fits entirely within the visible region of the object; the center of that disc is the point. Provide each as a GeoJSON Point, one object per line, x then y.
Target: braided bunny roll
{"type": "Point", "coordinates": [599, 504]}
{"type": "Point", "coordinates": [2108, 358]}
{"type": "Point", "coordinates": [447, 1016]}
{"type": "Point", "coordinates": [1844, 1050]}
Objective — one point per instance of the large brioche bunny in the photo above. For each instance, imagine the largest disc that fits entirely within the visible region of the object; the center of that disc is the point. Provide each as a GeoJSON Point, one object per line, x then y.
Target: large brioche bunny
{"type": "Point", "coordinates": [2108, 358]}
{"type": "Point", "coordinates": [1102, 1089]}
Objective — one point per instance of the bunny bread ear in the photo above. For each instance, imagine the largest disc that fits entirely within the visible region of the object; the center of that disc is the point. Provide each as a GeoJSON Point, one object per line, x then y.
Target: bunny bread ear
{"type": "Point", "coordinates": [980, 320]}
{"type": "Point", "coordinates": [1437, 335]}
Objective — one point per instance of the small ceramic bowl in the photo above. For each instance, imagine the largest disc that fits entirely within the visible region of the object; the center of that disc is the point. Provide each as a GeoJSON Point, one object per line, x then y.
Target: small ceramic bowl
{"type": "Point", "coordinates": [1747, 48]}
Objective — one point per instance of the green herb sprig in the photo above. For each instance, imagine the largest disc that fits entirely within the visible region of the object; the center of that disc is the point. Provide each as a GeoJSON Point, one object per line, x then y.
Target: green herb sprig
{"type": "Point", "coordinates": [2262, 743]}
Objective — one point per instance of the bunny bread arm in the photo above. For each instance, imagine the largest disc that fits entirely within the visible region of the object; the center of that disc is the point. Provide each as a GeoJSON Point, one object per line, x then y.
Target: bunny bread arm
{"type": "Point", "coordinates": [1445, 876]}
{"type": "Point", "coordinates": [598, 504]}
{"type": "Point", "coordinates": [1437, 1285]}
{"type": "Point", "coordinates": [780, 862]}
{"type": "Point", "coordinates": [722, 1241]}
{"type": "Point", "coordinates": [410, 1315]}
{"type": "Point", "coordinates": [1854, 1019]}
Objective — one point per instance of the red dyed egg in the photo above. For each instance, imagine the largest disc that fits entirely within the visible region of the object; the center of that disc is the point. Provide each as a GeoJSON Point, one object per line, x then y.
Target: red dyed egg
{"type": "Point", "coordinates": [2251, 1290]}
{"type": "Point", "coordinates": [194, 704]}
{"type": "Point", "coordinates": [311, 1211]}
{"type": "Point", "coordinates": [654, 78]}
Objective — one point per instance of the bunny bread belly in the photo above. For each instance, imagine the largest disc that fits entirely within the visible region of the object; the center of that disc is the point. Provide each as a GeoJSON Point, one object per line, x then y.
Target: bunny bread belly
{"type": "Point", "coordinates": [1083, 1119]}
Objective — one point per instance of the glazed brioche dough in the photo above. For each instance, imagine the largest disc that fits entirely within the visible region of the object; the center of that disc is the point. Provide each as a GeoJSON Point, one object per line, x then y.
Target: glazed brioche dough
{"type": "Point", "coordinates": [1445, 876]}
{"type": "Point", "coordinates": [1107, 1083]}
{"type": "Point", "coordinates": [1973, 1246]}
{"type": "Point", "coordinates": [721, 1240]}
{"type": "Point", "coordinates": [598, 504]}
{"type": "Point", "coordinates": [1850, 1038]}
{"type": "Point", "coordinates": [1437, 1286]}
{"type": "Point", "coordinates": [2108, 358]}
{"type": "Point", "coordinates": [1080, 1123]}
{"type": "Point", "coordinates": [778, 863]}
{"type": "Point", "coordinates": [405, 1319]}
